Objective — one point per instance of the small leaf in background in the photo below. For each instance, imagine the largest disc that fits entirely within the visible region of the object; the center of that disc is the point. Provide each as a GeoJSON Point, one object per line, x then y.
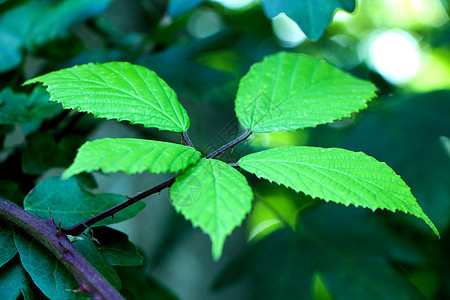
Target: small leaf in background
{"type": "Point", "coordinates": [14, 281]}
{"type": "Point", "coordinates": [116, 248]}
{"type": "Point", "coordinates": [11, 55]}
{"type": "Point", "coordinates": [89, 251]}
{"type": "Point", "coordinates": [288, 91]}
{"type": "Point", "coordinates": [213, 196]}
{"type": "Point", "coordinates": [313, 16]}
{"type": "Point", "coordinates": [48, 273]}
{"type": "Point", "coordinates": [337, 175]}
{"type": "Point", "coordinates": [8, 249]}
{"type": "Point", "coordinates": [138, 285]}
{"type": "Point", "coordinates": [117, 90]}
{"type": "Point", "coordinates": [19, 108]}
{"type": "Point", "coordinates": [178, 7]}
{"type": "Point", "coordinates": [131, 156]}
{"type": "Point", "coordinates": [40, 22]}
{"type": "Point", "coordinates": [70, 204]}
{"type": "Point", "coordinates": [60, 153]}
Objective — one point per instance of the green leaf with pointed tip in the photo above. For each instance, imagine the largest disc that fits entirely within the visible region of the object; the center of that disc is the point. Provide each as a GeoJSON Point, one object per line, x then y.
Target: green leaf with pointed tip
{"type": "Point", "coordinates": [132, 156]}
{"type": "Point", "coordinates": [6, 244]}
{"type": "Point", "coordinates": [313, 16]}
{"type": "Point", "coordinates": [14, 282]}
{"type": "Point", "coordinates": [288, 91]}
{"type": "Point", "coordinates": [71, 205]}
{"type": "Point", "coordinates": [22, 108]}
{"type": "Point", "coordinates": [213, 196]}
{"type": "Point", "coordinates": [337, 175]}
{"type": "Point", "coordinates": [48, 273]}
{"type": "Point", "coordinates": [117, 90]}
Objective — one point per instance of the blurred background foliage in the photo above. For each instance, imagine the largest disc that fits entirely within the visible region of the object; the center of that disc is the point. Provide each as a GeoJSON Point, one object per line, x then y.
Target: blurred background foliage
{"type": "Point", "coordinates": [291, 246]}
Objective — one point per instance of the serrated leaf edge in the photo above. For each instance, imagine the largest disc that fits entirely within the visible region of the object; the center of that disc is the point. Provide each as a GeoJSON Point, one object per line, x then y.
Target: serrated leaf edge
{"type": "Point", "coordinates": [197, 225]}
{"type": "Point", "coordinates": [52, 98]}
{"type": "Point", "coordinates": [422, 216]}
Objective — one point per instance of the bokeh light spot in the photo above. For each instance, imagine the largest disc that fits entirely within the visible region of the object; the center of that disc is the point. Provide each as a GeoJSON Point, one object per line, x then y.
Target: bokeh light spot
{"type": "Point", "coordinates": [394, 54]}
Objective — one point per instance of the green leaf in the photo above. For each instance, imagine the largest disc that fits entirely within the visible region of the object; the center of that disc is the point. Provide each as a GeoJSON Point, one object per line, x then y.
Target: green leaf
{"type": "Point", "coordinates": [70, 204]}
{"type": "Point", "coordinates": [132, 156]}
{"type": "Point", "coordinates": [403, 131]}
{"type": "Point", "coordinates": [336, 175]}
{"type": "Point", "coordinates": [11, 55]}
{"type": "Point", "coordinates": [57, 153]}
{"type": "Point", "coordinates": [38, 22]}
{"type": "Point", "coordinates": [47, 272]}
{"type": "Point", "coordinates": [116, 248]}
{"type": "Point", "coordinates": [313, 16]}
{"type": "Point", "coordinates": [6, 244]}
{"type": "Point", "coordinates": [14, 281]}
{"type": "Point", "coordinates": [213, 196]}
{"type": "Point", "coordinates": [288, 91]}
{"type": "Point", "coordinates": [117, 90]}
{"type": "Point", "coordinates": [18, 108]}
{"type": "Point", "coordinates": [87, 248]}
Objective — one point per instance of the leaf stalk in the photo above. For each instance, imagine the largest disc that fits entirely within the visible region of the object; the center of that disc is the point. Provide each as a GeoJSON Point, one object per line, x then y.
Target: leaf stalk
{"type": "Point", "coordinates": [230, 144]}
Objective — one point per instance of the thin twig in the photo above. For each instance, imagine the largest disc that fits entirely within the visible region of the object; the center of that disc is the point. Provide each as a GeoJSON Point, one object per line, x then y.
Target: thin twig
{"type": "Point", "coordinates": [230, 144]}
{"type": "Point", "coordinates": [186, 139]}
{"type": "Point", "coordinates": [79, 228]}
{"type": "Point", "coordinates": [234, 165]}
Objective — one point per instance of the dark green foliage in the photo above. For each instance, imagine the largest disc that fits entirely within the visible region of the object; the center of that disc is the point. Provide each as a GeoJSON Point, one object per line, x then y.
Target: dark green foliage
{"type": "Point", "coordinates": [349, 256]}
{"type": "Point", "coordinates": [15, 282]}
{"type": "Point", "coordinates": [69, 204]}
{"type": "Point", "coordinates": [116, 248]}
{"type": "Point", "coordinates": [6, 243]}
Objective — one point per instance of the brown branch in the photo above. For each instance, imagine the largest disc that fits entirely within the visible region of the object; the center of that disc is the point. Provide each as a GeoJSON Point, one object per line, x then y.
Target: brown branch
{"type": "Point", "coordinates": [57, 242]}
{"type": "Point", "coordinates": [230, 144]}
{"type": "Point", "coordinates": [79, 228]}
{"type": "Point", "coordinates": [186, 139]}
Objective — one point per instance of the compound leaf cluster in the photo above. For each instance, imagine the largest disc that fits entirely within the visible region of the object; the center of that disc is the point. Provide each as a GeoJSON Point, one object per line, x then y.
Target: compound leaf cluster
{"type": "Point", "coordinates": [284, 92]}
